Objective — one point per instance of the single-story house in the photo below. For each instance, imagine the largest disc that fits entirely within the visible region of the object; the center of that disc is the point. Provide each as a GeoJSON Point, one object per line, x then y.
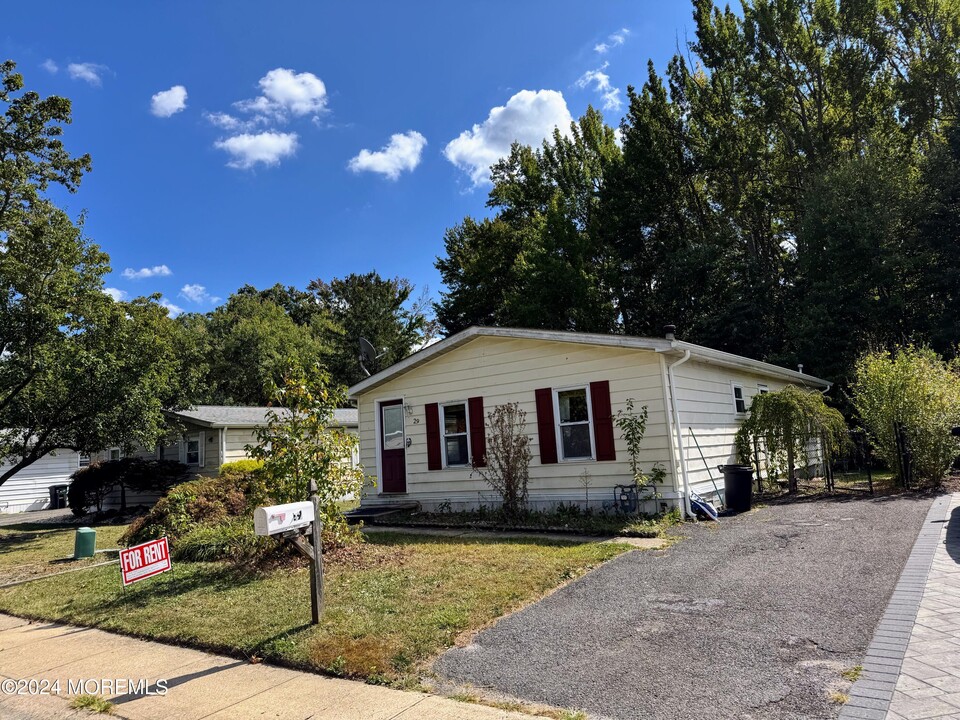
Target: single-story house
{"type": "Point", "coordinates": [30, 488]}
{"type": "Point", "coordinates": [423, 419]}
{"type": "Point", "coordinates": [203, 437]}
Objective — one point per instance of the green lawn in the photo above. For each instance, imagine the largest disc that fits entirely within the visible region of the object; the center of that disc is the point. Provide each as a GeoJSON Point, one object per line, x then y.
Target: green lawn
{"type": "Point", "coordinates": [392, 605]}
{"type": "Point", "coordinates": [36, 549]}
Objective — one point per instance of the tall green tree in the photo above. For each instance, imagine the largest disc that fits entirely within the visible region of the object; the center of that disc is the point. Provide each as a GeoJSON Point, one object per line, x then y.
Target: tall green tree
{"type": "Point", "coordinates": [77, 369]}
{"type": "Point", "coordinates": [542, 260]}
{"type": "Point", "coordinates": [32, 156]}
{"type": "Point", "coordinates": [790, 144]}
{"type": "Point", "coordinates": [249, 342]}
{"type": "Point", "coordinates": [379, 309]}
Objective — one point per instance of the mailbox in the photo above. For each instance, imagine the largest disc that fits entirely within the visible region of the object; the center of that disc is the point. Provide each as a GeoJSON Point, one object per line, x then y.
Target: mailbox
{"type": "Point", "coordinates": [282, 518]}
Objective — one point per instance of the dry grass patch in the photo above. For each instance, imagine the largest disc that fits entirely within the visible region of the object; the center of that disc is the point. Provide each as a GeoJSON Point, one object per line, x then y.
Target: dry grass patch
{"type": "Point", "coordinates": [392, 604]}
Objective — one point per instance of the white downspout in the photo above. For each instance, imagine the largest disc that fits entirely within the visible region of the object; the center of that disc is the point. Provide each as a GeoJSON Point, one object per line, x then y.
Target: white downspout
{"type": "Point", "coordinates": [223, 446]}
{"type": "Point", "coordinates": [685, 484]}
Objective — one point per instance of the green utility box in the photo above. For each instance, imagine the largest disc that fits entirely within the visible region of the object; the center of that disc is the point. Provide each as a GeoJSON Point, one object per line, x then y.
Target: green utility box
{"type": "Point", "coordinates": [85, 543]}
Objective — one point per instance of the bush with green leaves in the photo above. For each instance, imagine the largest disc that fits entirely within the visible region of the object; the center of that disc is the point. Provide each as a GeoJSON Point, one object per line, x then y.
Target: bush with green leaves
{"type": "Point", "coordinates": [911, 388]}
{"type": "Point", "coordinates": [200, 503]}
{"type": "Point", "coordinates": [90, 486]}
{"type": "Point", "coordinates": [783, 425]}
{"type": "Point", "coordinates": [301, 449]}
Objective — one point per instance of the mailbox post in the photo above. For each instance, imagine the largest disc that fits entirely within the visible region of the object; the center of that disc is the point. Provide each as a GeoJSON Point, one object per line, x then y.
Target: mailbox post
{"type": "Point", "coordinates": [292, 522]}
{"type": "Point", "coordinates": [316, 568]}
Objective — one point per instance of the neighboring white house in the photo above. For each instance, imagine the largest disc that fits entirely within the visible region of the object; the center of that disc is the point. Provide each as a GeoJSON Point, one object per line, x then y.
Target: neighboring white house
{"type": "Point", "coordinates": [203, 437]}
{"type": "Point", "coordinates": [29, 489]}
{"type": "Point", "coordinates": [422, 420]}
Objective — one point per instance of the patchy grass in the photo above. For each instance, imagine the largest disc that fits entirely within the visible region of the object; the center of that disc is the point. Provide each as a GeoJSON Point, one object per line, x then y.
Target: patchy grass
{"type": "Point", "coordinates": [391, 605]}
{"type": "Point", "coordinates": [839, 698]}
{"type": "Point", "coordinates": [568, 519]}
{"type": "Point", "coordinates": [36, 549]}
{"type": "Point", "coordinates": [852, 674]}
{"type": "Point", "coordinates": [93, 703]}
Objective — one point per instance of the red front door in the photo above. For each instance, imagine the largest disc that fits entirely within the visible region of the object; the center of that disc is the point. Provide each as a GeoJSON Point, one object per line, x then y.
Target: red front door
{"type": "Point", "coordinates": [393, 466]}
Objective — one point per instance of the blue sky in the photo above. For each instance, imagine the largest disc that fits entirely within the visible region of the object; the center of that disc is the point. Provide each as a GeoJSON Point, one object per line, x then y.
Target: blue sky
{"type": "Point", "coordinates": [228, 138]}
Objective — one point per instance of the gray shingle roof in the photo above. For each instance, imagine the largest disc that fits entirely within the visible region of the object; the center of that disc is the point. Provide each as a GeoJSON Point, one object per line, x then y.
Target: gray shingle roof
{"type": "Point", "coordinates": [248, 416]}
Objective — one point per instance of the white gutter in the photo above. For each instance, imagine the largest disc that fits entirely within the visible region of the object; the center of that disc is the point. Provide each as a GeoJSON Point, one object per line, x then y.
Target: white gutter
{"type": "Point", "coordinates": [685, 482]}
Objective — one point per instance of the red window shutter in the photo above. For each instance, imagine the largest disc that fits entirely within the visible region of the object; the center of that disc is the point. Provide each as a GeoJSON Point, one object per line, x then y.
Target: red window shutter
{"type": "Point", "coordinates": [602, 420]}
{"type": "Point", "coordinates": [478, 435]}
{"type": "Point", "coordinates": [545, 426]}
{"type": "Point", "coordinates": [433, 437]}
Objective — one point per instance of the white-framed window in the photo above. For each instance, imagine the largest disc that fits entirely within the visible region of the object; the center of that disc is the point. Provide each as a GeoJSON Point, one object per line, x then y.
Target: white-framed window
{"type": "Point", "coordinates": [762, 389]}
{"type": "Point", "coordinates": [83, 460]}
{"type": "Point", "coordinates": [113, 453]}
{"type": "Point", "coordinates": [739, 403]}
{"type": "Point", "coordinates": [456, 434]}
{"type": "Point", "coordinates": [574, 422]}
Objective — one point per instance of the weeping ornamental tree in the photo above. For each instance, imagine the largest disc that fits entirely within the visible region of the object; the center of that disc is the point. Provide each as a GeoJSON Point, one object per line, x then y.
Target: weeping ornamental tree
{"type": "Point", "coordinates": [911, 392]}
{"type": "Point", "coordinates": [782, 427]}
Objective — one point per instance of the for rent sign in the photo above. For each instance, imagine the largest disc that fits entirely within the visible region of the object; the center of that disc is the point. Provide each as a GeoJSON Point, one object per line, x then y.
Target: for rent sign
{"type": "Point", "coordinates": [145, 560]}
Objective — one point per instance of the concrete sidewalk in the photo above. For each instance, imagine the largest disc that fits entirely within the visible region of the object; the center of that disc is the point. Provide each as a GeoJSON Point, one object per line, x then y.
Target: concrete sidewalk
{"type": "Point", "coordinates": [912, 666]}
{"type": "Point", "coordinates": [200, 685]}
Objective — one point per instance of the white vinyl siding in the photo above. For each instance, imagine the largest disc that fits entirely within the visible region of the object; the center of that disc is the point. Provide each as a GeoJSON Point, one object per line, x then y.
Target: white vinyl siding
{"type": "Point", "coordinates": [29, 489]}
{"type": "Point", "coordinates": [709, 418]}
{"type": "Point", "coordinates": [503, 370]}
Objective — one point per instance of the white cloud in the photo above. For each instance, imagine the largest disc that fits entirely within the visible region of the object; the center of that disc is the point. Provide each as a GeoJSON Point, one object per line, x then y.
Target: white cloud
{"type": "Point", "coordinates": [50, 66]}
{"type": "Point", "coordinates": [401, 153]}
{"type": "Point", "coordinates": [88, 72]}
{"type": "Point", "coordinates": [528, 118]}
{"type": "Point", "coordinates": [172, 309]}
{"type": "Point", "coordinates": [223, 120]}
{"type": "Point", "coordinates": [285, 92]}
{"type": "Point", "coordinates": [266, 147]}
{"type": "Point", "coordinates": [169, 102]}
{"type": "Point", "coordinates": [198, 294]}
{"type": "Point", "coordinates": [613, 40]}
{"type": "Point", "coordinates": [601, 84]}
{"type": "Point", "coordinates": [115, 293]}
{"type": "Point", "coordinates": [147, 272]}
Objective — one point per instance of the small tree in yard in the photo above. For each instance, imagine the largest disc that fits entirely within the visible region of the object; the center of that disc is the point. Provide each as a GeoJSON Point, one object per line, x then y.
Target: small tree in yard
{"type": "Point", "coordinates": [508, 457]}
{"type": "Point", "coordinates": [911, 392]}
{"type": "Point", "coordinates": [784, 423]}
{"type": "Point", "coordinates": [298, 446]}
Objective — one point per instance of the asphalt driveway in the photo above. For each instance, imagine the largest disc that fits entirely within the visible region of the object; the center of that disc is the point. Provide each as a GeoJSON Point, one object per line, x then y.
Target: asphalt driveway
{"type": "Point", "coordinates": [754, 617]}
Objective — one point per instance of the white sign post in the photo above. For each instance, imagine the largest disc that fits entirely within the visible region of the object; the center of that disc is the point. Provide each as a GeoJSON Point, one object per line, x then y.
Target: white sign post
{"type": "Point", "coordinates": [292, 522]}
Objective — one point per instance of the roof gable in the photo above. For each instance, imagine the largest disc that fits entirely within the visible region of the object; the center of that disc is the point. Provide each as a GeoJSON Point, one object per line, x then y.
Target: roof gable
{"type": "Point", "coordinates": [658, 345]}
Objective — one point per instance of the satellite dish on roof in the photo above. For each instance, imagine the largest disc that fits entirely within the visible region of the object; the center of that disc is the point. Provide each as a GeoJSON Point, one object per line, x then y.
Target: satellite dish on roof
{"type": "Point", "coordinates": [368, 355]}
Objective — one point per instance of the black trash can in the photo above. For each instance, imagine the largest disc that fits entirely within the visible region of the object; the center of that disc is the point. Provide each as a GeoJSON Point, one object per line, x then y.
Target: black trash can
{"type": "Point", "coordinates": [58, 496]}
{"type": "Point", "coordinates": [737, 487]}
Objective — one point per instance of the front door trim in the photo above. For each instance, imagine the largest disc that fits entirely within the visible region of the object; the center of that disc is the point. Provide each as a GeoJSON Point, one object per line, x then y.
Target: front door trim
{"type": "Point", "coordinates": [378, 439]}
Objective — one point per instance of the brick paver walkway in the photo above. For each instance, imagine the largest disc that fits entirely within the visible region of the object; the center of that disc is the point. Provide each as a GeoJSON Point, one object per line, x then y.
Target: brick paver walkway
{"type": "Point", "coordinates": [912, 667]}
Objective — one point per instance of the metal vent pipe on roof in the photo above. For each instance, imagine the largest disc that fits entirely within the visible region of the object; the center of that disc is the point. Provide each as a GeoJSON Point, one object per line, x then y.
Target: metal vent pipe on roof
{"type": "Point", "coordinates": [670, 332]}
